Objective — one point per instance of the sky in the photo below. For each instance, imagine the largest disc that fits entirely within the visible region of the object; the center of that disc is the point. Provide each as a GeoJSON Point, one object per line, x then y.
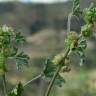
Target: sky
{"type": "Point", "coordinates": [37, 1]}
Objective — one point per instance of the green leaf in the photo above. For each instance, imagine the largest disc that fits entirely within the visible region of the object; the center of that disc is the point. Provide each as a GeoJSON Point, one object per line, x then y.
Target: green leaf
{"type": "Point", "coordinates": [82, 44]}
{"type": "Point", "coordinates": [21, 59]}
{"type": "Point", "coordinates": [49, 68]}
{"type": "Point", "coordinates": [76, 7]}
{"type": "Point", "coordinates": [19, 38]}
{"type": "Point", "coordinates": [82, 56]}
{"type": "Point", "coordinates": [17, 91]}
{"type": "Point", "coordinates": [49, 71]}
{"type": "Point", "coordinates": [60, 80]}
{"type": "Point", "coordinates": [13, 51]}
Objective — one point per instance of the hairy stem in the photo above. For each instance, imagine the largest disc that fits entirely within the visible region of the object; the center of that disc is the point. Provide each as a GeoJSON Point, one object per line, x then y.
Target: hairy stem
{"type": "Point", "coordinates": [55, 74]}
{"type": "Point", "coordinates": [32, 80]}
{"type": "Point", "coordinates": [52, 82]}
{"type": "Point", "coordinates": [4, 85]}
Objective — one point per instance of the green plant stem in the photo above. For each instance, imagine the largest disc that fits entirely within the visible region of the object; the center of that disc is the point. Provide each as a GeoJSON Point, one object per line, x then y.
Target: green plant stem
{"type": "Point", "coordinates": [55, 74]}
{"type": "Point", "coordinates": [4, 85]}
{"type": "Point", "coordinates": [32, 80]}
{"type": "Point", "coordinates": [52, 82]}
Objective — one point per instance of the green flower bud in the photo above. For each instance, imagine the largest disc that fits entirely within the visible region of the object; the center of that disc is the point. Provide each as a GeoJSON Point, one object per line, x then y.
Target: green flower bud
{"type": "Point", "coordinates": [90, 14]}
{"type": "Point", "coordinates": [88, 19]}
{"type": "Point", "coordinates": [72, 36]}
{"type": "Point", "coordinates": [58, 58]}
{"type": "Point", "coordinates": [68, 42]}
{"type": "Point", "coordinates": [87, 30]}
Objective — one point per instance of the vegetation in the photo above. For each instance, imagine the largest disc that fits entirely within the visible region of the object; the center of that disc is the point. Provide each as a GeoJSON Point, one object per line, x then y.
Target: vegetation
{"type": "Point", "coordinates": [75, 43]}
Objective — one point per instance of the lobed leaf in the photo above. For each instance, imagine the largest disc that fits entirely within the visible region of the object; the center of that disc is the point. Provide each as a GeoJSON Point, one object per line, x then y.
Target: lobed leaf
{"type": "Point", "coordinates": [19, 38]}
{"type": "Point", "coordinates": [17, 91]}
{"type": "Point", "coordinates": [21, 59]}
{"type": "Point", "coordinates": [49, 71]}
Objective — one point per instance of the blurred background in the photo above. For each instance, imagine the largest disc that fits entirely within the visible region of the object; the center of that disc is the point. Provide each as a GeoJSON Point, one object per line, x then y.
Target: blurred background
{"type": "Point", "coordinates": [44, 23]}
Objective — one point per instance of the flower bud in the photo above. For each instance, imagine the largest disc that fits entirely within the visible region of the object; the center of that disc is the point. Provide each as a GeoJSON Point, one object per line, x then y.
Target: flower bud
{"type": "Point", "coordinates": [87, 30]}
{"type": "Point", "coordinates": [58, 58]}
{"type": "Point", "coordinates": [5, 28]}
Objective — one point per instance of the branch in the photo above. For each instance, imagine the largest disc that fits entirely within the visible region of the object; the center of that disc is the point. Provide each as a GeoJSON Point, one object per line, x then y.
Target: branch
{"type": "Point", "coordinates": [32, 80]}
{"type": "Point", "coordinates": [55, 74]}
{"type": "Point", "coordinates": [65, 55]}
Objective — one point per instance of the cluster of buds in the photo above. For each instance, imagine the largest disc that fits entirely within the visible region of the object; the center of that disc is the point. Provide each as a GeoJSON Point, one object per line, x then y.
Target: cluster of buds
{"type": "Point", "coordinates": [8, 49]}
{"type": "Point", "coordinates": [78, 42]}
{"type": "Point", "coordinates": [89, 18]}
{"type": "Point", "coordinates": [5, 39]}
{"type": "Point", "coordinates": [87, 30]}
{"type": "Point", "coordinates": [59, 59]}
{"type": "Point", "coordinates": [72, 40]}
{"type": "Point", "coordinates": [90, 14]}
{"type": "Point", "coordinates": [66, 67]}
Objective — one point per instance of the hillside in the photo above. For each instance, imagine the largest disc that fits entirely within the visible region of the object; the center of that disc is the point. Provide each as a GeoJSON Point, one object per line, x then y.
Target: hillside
{"type": "Point", "coordinates": [28, 17]}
